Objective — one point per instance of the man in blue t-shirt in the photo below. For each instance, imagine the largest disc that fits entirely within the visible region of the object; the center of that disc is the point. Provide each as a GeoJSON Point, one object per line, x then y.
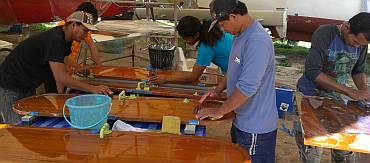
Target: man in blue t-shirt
{"type": "Point", "coordinates": [250, 82]}
{"type": "Point", "coordinates": [214, 46]}
{"type": "Point", "coordinates": [337, 53]}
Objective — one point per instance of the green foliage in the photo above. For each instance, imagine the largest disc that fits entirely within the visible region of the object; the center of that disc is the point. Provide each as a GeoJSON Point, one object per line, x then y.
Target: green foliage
{"type": "Point", "coordinates": [367, 68]}
{"type": "Point", "coordinates": [41, 27]}
{"type": "Point", "coordinates": [289, 48]}
{"type": "Point", "coordinates": [301, 70]}
{"type": "Point", "coordinates": [284, 63]}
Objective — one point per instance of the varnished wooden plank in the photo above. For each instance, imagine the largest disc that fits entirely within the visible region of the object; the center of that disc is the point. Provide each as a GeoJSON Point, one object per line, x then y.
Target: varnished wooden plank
{"type": "Point", "coordinates": [329, 124]}
{"type": "Point", "coordinates": [33, 144]}
{"type": "Point", "coordinates": [145, 109]}
{"type": "Point", "coordinates": [128, 73]}
{"type": "Point", "coordinates": [158, 91]}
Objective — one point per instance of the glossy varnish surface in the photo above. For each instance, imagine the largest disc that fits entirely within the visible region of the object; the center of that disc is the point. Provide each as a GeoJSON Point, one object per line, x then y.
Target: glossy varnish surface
{"type": "Point", "coordinates": [145, 109]}
{"type": "Point", "coordinates": [329, 124]}
{"type": "Point", "coordinates": [24, 144]}
{"type": "Point", "coordinates": [128, 73]}
{"type": "Point", "coordinates": [158, 91]}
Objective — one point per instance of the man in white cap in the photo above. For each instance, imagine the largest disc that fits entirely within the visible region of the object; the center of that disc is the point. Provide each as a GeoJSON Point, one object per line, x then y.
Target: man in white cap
{"type": "Point", "coordinates": [42, 57]}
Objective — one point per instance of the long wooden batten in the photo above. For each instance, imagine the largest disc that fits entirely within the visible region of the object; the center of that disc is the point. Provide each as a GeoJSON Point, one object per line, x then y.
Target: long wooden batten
{"type": "Point", "coordinates": [155, 90]}
{"type": "Point", "coordinates": [33, 144]}
{"type": "Point", "coordinates": [145, 109]}
{"type": "Point", "coordinates": [139, 74]}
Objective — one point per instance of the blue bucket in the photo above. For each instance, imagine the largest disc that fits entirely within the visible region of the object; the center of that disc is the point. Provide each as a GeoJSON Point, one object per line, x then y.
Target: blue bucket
{"type": "Point", "coordinates": [88, 111]}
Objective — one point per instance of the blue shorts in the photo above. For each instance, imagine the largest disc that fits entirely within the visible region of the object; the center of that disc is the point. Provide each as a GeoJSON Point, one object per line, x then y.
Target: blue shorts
{"type": "Point", "coordinates": [261, 147]}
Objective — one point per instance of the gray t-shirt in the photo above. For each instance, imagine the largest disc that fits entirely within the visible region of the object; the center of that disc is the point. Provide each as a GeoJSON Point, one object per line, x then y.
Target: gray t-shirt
{"type": "Point", "coordinates": [329, 54]}
{"type": "Point", "coordinates": [251, 70]}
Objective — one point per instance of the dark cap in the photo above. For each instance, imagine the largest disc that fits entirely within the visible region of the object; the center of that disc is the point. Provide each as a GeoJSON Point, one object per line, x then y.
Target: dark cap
{"type": "Point", "coordinates": [220, 10]}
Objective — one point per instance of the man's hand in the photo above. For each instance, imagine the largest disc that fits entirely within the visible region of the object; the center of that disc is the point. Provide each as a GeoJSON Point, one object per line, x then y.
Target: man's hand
{"type": "Point", "coordinates": [359, 95]}
{"type": "Point", "coordinates": [367, 92]}
{"type": "Point", "coordinates": [101, 89]}
{"type": "Point", "coordinates": [211, 93]}
{"type": "Point", "coordinates": [156, 79]}
{"type": "Point", "coordinates": [208, 113]}
{"type": "Point", "coordinates": [82, 69]}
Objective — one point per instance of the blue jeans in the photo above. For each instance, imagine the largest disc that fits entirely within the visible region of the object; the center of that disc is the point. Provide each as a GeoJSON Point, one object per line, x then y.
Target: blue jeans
{"type": "Point", "coordinates": [261, 147]}
{"type": "Point", "coordinates": [7, 98]}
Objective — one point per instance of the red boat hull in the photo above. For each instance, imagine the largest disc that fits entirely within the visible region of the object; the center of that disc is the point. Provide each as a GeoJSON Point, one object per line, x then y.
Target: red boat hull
{"type": "Point", "coordinates": [36, 11]}
{"type": "Point", "coordinates": [301, 28]}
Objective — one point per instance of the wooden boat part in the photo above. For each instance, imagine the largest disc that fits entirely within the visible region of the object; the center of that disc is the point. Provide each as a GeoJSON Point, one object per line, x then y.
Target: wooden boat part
{"type": "Point", "coordinates": [123, 81]}
{"type": "Point", "coordinates": [145, 109]}
{"type": "Point", "coordinates": [128, 73]}
{"type": "Point", "coordinates": [36, 144]}
{"type": "Point", "coordinates": [329, 124]}
{"type": "Point", "coordinates": [157, 91]}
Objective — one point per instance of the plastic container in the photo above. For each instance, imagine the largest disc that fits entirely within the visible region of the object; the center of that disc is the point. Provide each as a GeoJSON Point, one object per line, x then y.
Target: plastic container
{"type": "Point", "coordinates": [16, 28]}
{"type": "Point", "coordinates": [88, 111]}
{"type": "Point", "coordinates": [161, 56]}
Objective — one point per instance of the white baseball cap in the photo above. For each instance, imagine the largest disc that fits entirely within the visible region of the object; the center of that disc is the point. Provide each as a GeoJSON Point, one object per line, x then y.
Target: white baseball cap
{"type": "Point", "coordinates": [83, 17]}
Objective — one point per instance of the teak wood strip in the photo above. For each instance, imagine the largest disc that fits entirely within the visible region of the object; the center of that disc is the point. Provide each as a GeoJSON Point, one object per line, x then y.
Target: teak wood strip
{"type": "Point", "coordinates": [129, 73]}
{"type": "Point", "coordinates": [329, 124]}
{"type": "Point", "coordinates": [36, 144]}
{"type": "Point", "coordinates": [144, 109]}
{"type": "Point", "coordinates": [158, 91]}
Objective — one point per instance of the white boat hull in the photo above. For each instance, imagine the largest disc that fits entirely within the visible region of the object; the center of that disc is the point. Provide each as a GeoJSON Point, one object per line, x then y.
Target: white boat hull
{"type": "Point", "coordinates": [305, 16]}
